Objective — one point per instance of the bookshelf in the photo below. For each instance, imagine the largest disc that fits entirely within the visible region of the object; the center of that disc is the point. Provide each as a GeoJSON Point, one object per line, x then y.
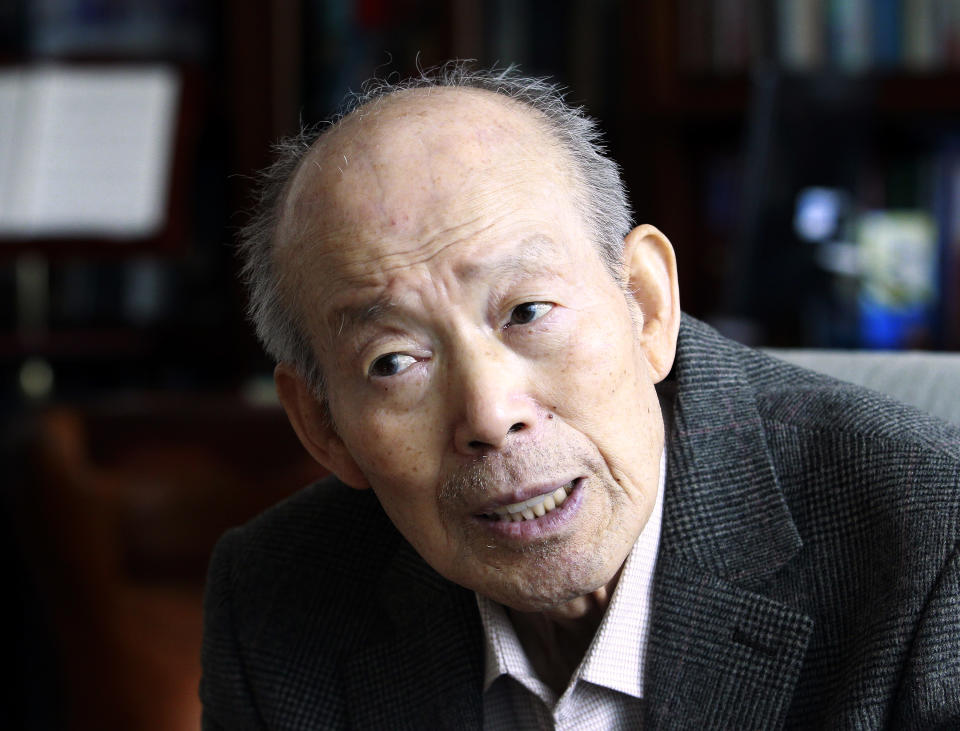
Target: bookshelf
{"type": "Point", "coordinates": [105, 309]}
{"type": "Point", "coordinates": [739, 117]}
{"type": "Point", "coordinates": [688, 92]}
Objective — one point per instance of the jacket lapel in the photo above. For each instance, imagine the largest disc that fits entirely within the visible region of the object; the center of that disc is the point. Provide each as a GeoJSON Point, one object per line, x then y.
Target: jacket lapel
{"type": "Point", "coordinates": [426, 670]}
{"type": "Point", "coordinates": [720, 652]}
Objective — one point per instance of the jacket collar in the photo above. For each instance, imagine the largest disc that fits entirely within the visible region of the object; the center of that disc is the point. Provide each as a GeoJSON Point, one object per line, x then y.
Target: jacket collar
{"type": "Point", "coordinates": [724, 507]}
{"type": "Point", "coordinates": [721, 653]}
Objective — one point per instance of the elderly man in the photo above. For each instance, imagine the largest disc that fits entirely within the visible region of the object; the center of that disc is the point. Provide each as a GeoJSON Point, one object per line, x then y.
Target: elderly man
{"type": "Point", "coordinates": [471, 337]}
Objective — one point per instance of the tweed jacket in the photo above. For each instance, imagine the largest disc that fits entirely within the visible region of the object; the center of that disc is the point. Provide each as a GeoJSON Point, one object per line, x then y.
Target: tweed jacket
{"type": "Point", "coordinates": [808, 577]}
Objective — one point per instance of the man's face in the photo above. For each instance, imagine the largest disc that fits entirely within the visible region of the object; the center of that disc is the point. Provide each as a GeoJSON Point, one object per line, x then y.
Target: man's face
{"type": "Point", "coordinates": [480, 360]}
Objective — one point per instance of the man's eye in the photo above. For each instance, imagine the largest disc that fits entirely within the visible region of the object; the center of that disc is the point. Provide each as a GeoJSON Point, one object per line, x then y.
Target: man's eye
{"type": "Point", "coordinates": [391, 364]}
{"type": "Point", "coordinates": [528, 312]}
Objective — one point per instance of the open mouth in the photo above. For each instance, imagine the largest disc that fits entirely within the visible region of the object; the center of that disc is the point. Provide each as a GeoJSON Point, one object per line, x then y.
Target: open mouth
{"type": "Point", "coordinates": [533, 508]}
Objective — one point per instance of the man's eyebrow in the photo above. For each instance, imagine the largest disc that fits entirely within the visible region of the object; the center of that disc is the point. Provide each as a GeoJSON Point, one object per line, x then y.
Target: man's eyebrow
{"type": "Point", "coordinates": [536, 254]}
{"type": "Point", "coordinates": [352, 317]}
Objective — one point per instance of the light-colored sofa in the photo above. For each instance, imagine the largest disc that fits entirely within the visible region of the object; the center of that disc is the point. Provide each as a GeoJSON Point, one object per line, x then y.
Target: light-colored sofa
{"type": "Point", "coordinates": [929, 381]}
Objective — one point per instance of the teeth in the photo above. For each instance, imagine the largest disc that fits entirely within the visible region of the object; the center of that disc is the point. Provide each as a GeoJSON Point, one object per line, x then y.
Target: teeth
{"type": "Point", "coordinates": [535, 507]}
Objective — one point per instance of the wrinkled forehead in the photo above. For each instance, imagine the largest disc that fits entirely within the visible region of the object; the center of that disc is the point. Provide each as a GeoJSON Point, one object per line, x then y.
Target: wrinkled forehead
{"type": "Point", "coordinates": [399, 181]}
{"type": "Point", "coordinates": [398, 160]}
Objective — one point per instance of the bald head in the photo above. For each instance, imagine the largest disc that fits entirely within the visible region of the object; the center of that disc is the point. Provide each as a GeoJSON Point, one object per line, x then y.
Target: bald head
{"type": "Point", "coordinates": [398, 159]}
{"type": "Point", "coordinates": [385, 179]}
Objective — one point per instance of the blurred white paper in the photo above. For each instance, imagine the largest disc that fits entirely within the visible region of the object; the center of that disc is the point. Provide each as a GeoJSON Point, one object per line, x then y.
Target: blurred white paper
{"type": "Point", "coordinates": [86, 151]}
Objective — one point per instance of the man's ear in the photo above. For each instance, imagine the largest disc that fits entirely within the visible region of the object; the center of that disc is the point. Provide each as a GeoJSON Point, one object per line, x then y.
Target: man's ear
{"type": "Point", "coordinates": [650, 274]}
{"type": "Point", "coordinates": [314, 428]}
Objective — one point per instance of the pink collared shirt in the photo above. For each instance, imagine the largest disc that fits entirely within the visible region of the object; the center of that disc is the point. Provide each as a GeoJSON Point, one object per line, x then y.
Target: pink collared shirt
{"type": "Point", "coordinates": [606, 690]}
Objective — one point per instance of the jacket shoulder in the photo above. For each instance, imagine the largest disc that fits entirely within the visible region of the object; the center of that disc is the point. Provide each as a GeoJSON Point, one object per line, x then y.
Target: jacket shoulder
{"type": "Point", "coordinates": [797, 397]}
{"type": "Point", "coordinates": [292, 594]}
{"type": "Point", "coordinates": [321, 550]}
{"type": "Point", "coordinates": [316, 525]}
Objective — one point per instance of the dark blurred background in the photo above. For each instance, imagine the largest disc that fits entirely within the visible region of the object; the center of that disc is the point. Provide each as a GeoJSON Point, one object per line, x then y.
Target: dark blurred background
{"type": "Point", "coordinates": [802, 155]}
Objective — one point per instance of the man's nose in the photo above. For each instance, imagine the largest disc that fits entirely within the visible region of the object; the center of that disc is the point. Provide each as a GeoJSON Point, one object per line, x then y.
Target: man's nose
{"type": "Point", "coordinates": [494, 401]}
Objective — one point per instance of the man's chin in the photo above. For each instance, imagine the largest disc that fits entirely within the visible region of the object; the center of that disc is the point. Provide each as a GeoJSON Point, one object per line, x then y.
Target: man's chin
{"type": "Point", "coordinates": [565, 592]}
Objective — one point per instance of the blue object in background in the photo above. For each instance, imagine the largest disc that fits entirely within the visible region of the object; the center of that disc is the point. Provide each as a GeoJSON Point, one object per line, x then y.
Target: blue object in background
{"type": "Point", "coordinates": [883, 327]}
{"type": "Point", "coordinates": [886, 33]}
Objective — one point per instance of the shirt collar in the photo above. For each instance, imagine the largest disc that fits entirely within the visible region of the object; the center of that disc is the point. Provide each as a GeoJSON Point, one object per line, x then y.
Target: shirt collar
{"type": "Point", "coordinates": [615, 658]}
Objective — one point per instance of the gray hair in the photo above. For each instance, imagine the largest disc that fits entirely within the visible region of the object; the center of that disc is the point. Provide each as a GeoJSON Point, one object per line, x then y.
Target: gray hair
{"type": "Point", "coordinates": [601, 197]}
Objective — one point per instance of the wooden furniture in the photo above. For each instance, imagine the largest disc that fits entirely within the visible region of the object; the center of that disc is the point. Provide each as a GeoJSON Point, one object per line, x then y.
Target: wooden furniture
{"type": "Point", "coordinates": [124, 506]}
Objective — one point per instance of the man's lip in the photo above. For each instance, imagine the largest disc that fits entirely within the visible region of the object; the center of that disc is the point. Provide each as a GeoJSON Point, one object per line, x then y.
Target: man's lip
{"type": "Point", "coordinates": [554, 523]}
{"type": "Point", "coordinates": [525, 493]}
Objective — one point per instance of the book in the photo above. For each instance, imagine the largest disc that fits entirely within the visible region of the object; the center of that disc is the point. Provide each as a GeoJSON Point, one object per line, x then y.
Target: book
{"type": "Point", "coordinates": [921, 50]}
{"type": "Point", "coordinates": [800, 34]}
{"type": "Point", "coordinates": [886, 20]}
{"type": "Point", "coordinates": [86, 151]}
{"type": "Point", "coordinates": [850, 27]}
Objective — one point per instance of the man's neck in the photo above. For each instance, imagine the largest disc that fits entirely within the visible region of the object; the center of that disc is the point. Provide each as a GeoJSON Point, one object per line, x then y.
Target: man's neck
{"type": "Point", "coordinates": [555, 641]}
